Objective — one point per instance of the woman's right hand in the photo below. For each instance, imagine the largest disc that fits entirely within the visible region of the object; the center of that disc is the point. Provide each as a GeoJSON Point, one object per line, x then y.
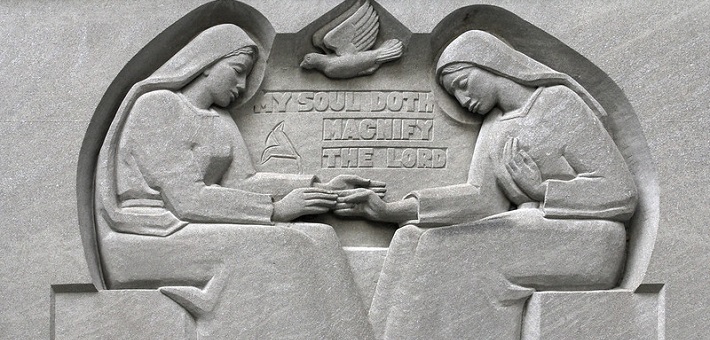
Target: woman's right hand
{"type": "Point", "coordinates": [524, 171]}
{"type": "Point", "coordinates": [303, 201]}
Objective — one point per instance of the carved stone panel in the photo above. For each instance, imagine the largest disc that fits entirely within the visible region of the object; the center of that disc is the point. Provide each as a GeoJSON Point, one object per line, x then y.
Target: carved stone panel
{"type": "Point", "coordinates": [356, 180]}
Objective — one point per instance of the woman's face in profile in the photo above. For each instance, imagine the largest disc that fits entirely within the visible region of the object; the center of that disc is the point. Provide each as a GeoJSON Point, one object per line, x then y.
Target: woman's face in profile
{"type": "Point", "coordinates": [475, 89]}
{"type": "Point", "coordinates": [227, 79]}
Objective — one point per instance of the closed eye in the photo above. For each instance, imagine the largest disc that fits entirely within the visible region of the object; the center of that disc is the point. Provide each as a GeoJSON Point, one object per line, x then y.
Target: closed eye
{"type": "Point", "coordinates": [238, 66]}
{"type": "Point", "coordinates": [462, 82]}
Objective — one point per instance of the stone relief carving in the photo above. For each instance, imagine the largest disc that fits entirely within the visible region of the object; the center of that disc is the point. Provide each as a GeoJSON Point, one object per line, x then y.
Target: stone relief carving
{"type": "Point", "coordinates": [179, 157]}
{"type": "Point", "coordinates": [543, 150]}
{"type": "Point", "coordinates": [174, 164]}
{"type": "Point", "coordinates": [182, 204]}
{"type": "Point", "coordinates": [348, 45]}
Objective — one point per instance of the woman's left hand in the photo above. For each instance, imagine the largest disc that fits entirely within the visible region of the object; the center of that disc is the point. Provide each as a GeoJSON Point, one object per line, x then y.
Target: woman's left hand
{"type": "Point", "coordinates": [523, 170]}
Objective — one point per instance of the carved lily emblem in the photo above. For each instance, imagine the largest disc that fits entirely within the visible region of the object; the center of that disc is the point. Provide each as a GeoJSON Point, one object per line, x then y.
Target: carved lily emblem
{"type": "Point", "coordinates": [278, 145]}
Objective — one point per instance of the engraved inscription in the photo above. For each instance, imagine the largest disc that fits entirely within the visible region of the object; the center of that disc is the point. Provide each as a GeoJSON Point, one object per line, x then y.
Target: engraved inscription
{"type": "Point", "coordinates": [377, 129]}
{"type": "Point", "coordinates": [344, 101]}
{"type": "Point", "coordinates": [384, 157]}
{"type": "Point", "coordinates": [380, 142]}
{"type": "Point", "coordinates": [392, 129]}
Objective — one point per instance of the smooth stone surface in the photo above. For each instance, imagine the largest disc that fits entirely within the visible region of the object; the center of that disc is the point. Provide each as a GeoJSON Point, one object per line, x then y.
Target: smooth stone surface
{"type": "Point", "coordinates": [366, 265]}
{"type": "Point", "coordinates": [119, 314]}
{"type": "Point", "coordinates": [595, 315]}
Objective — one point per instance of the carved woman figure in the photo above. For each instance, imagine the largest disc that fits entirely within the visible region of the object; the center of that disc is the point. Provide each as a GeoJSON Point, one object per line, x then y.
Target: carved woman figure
{"type": "Point", "coordinates": [179, 156]}
{"type": "Point", "coordinates": [174, 165]}
{"type": "Point", "coordinates": [544, 205]}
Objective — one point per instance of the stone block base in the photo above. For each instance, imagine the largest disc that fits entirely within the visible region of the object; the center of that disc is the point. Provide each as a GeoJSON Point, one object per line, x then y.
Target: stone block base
{"type": "Point", "coordinates": [596, 315]}
{"type": "Point", "coordinates": [80, 312]}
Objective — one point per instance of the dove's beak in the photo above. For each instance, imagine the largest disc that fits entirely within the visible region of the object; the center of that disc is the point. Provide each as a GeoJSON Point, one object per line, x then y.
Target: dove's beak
{"type": "Point", "coordinates": [303, 64]}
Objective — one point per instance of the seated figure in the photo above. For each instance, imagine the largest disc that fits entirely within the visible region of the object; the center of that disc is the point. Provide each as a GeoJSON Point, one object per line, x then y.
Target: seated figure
{"type": "Point", "coordinates": [544, 207]}
{"type": "Point", "coordinates": [180, 207]}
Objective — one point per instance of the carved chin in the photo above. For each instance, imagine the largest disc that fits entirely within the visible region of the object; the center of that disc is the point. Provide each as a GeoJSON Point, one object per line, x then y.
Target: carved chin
{"type": "Point", "coordinates": [223, 102]}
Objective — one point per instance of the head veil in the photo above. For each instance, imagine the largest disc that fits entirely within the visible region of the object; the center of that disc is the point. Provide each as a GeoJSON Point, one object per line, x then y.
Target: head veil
{"type": "Point", "coordinates": [484, 50]}
{"type": "Point", "coordinates": [204, 50]}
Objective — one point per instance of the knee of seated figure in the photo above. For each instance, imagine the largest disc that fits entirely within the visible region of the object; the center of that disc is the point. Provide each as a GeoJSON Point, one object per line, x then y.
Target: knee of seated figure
{"type": "Point", "coordinates": [519, 216]}
{"type": "Point", "coordinates": [316, 231]}
{"type": "Point", "coordinates": [408, 232]}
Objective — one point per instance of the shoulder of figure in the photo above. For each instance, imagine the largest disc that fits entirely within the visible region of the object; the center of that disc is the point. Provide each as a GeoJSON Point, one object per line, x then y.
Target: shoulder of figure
{"type": "Point", "coordinates": [158, 98]}
{"type": "Point", "coordinates": [560, 93]}
{"type": "Point", "coordinates": [562, 98]}
{"type": "Point", "coordinates": [157, 104]}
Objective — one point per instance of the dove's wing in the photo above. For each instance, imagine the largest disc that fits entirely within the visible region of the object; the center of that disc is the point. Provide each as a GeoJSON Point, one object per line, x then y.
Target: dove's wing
{"type": "Point", "coordinates": [356, 33]}
{"type": "Point", "coordinates": [321, 32]}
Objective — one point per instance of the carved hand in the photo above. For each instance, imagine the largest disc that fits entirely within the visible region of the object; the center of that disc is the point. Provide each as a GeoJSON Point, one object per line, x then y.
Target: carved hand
{"type": "Point", "coordinates": [361, 203]}
{"type": "Point", "coordinates": [303, 201]}
{"type": "Point", "coordinates": [345, 182]}
{"type": "Point", "coordinates": [523, 170]}
{"type": "Point", "coordinates": [369, 204]}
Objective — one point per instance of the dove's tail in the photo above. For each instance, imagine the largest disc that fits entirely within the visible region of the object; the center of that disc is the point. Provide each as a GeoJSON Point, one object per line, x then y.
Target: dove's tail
{"type": "Point", "coordinates": [389, 50]}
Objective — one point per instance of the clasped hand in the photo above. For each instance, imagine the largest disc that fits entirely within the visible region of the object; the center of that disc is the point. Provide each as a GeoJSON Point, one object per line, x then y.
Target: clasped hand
{"type": "Point", "coordinates": [322, 197]}
{"type": "Point", "coordinates": [524, 171]}
{"type": "Point", "coordinates": [368, 204]}
{"type": "Point", "coordinates": [361, 203]}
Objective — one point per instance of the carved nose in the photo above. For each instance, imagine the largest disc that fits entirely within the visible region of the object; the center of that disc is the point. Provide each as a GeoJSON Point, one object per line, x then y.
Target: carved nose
{"type": "Point", "coordinates": [241, 87]}
{"type": "Point", "coordinates": [463, 99]}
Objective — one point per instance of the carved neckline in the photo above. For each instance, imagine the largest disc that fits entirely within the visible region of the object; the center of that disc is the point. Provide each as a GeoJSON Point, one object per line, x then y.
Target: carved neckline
{"type": "Point", "coordinates": [523, 111]}
{"type": "Point", "coordinates": [211, 112]}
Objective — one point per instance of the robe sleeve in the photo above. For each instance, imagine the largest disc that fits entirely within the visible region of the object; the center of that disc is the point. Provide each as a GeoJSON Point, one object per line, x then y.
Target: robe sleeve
{"type": "Point", "coordinates": [445, 205]}
{"type": "Point", "coordinates": [275, 184]}
{"type": "Point", "coordinates": [479, 197]}
{"type": "Point", "coordinates": [159, 133]}
{"type": "Point", "coordinates": [457, 204]}
{"type": "Point", "coordinates": [604, 187]}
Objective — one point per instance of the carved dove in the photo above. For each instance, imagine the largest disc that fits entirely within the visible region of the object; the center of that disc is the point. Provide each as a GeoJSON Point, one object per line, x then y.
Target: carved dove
{"type": "Point", "coordinates": [348, 47]}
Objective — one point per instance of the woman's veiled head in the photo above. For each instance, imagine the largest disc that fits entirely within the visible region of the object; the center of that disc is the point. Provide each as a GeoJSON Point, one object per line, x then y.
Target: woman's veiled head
{"type": "Point", "coordinates": [203, 51]}
{"type": "Point", "coordinates": [225, 80]}
{"type": "Point", "coordinates": [483, 50]}
{"type": "Point", "coordinates": [210, 46]}
{"type": "Point", "coordinates": [475, 89]}
{"type": "Point", "coordinates": [479, 50]}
